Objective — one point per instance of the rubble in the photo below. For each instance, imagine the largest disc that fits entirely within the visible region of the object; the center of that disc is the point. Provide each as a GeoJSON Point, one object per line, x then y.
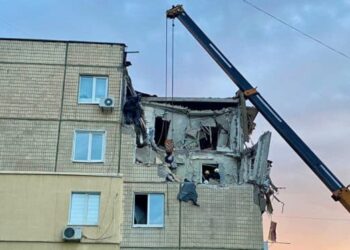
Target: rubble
{"type": "Point", "coordinates": [203, 140]}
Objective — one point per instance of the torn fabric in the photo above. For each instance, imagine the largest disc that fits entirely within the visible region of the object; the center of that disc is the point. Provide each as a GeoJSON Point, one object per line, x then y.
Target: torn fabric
{"type": "Point", "coordinates": [188, 192]}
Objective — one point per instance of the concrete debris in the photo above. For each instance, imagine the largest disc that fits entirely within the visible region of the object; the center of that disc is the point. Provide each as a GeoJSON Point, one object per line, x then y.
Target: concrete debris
{"type": "Point", "coordinates": [203, 140]}
{"type": "Point", "coordinates": [166, 173]}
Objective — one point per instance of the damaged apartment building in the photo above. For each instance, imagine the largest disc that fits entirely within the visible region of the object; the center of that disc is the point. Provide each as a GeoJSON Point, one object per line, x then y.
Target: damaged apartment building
{"type": "Point", "coordinates": [202, 141]}
{"type": "Point", "coordinates": [105, 165]}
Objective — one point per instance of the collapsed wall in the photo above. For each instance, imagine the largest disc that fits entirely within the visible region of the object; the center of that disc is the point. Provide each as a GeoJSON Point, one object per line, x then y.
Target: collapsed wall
{"type": "Point", "coordinates": [200, 141]}
{"type": "Point", "coordinates": [209, 138]}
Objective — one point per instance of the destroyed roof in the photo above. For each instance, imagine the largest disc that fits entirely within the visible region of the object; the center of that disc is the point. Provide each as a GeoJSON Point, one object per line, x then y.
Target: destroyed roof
{"type": "Point", "coordinates": [195, 103]}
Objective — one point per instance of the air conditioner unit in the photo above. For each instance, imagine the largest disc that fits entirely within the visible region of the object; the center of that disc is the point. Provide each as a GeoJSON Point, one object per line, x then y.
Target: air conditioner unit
{"type": "Point", "coordinates": [107, 103]}
{"type": "Point", "coordinates": [72, 233]}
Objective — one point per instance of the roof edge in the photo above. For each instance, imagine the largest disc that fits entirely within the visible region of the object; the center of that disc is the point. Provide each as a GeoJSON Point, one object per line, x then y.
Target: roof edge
{"type": "Point", "coordinates": [59, 41]}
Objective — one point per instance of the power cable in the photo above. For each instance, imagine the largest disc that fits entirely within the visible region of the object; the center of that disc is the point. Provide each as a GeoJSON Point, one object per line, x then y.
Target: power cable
{"type": "Point", "coordinates": [298, 30]}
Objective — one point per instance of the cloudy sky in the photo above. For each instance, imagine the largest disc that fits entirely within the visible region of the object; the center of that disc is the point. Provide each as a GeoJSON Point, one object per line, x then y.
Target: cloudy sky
{"type": "Point", "coordinates": [308, 84]}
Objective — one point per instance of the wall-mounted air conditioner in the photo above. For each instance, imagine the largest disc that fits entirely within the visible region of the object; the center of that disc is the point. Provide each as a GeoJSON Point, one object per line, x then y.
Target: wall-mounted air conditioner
{"type": "Point", "coordinates": [107, 104]}
{"type": "Point", "coordinates": [72, 233]}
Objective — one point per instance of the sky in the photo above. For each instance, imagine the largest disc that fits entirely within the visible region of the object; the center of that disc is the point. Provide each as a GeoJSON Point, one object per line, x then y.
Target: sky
{"type": "Point", "coordinates": [306, 83]}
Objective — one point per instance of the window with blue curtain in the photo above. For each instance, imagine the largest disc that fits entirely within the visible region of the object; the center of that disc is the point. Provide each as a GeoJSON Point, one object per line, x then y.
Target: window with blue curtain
{"type": "Point", "coordinates": [89, 146]}
{"type": "Point", "coordinates": [92, 89]}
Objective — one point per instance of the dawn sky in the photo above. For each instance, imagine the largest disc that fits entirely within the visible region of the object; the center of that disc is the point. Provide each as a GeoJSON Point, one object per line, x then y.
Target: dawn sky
{"type": "Point", "coordinates": [307, 84]}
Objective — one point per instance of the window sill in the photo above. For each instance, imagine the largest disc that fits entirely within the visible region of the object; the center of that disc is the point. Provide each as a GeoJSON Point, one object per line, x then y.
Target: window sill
{"type": "Point", "coordinates": [90, 162]}
{"type": "Point", "coordinates": [74, 225]}
{"type": "Point", "coordinates": [89, 103]}
{"type": "Point", "coordinates": [148, 226]}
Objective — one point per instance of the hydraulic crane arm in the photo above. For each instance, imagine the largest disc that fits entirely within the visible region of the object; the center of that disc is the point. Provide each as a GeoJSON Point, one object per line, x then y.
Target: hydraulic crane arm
{"type": "Point", "coordinates": [339, 191]}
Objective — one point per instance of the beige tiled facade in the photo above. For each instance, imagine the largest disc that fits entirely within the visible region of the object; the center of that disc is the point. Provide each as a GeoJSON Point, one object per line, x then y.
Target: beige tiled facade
{"type": "Point", "coordinates": [39, 103]}
{"type": "Point", "coordinates": [35, 209]}
{"type": "Point", "coordinates": [38, 117]}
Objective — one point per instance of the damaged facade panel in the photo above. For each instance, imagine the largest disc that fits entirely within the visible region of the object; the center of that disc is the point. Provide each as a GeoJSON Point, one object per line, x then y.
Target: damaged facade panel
{"type": "Point", "coordinates": [207, 139]}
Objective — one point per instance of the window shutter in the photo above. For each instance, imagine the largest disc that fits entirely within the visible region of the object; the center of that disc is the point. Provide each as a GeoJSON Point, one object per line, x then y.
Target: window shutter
{"type": "Point", "coordinates": [93, 207]}
{"type": "Point", "coordinates": [77, 212]}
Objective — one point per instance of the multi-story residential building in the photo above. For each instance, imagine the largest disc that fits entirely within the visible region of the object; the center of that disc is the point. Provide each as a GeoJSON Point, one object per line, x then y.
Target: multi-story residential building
{"type": "Point", "coordinates": [59, 153]}
{"type": "Point", "coordinates": [113, 175]}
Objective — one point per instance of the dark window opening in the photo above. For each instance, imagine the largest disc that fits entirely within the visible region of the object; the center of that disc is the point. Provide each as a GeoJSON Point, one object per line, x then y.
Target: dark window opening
{"type": "Point", "coordinates": [252, 161]}
{"type": "Point", "coordinates": [161, 130]}
{"type": "Point", "coordinates": [149, 210]}
{"type": "Point", "coordinates": [208, 138]}
{"type": "Point", "coordinates": [210, 173]}
{"type": "Point", "coordinates": [140, 212]}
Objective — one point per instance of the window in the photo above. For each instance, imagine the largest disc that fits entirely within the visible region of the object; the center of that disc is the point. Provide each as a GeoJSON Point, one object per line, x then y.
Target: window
{"type": "Point", "coordinates": [208, 137]}
{"type": "Point", "coordinates": [149, 210]}
{"type": "Point", "coordinates": [92, 89]}
{"type": "Point", "coordinates": [89, 146]}
{"type": "Point", "coordinates": [210, 174]}
{"type": "Point", "coordinates": [84, 209]}
{"type": "Point", "coordinates": [161, 130]}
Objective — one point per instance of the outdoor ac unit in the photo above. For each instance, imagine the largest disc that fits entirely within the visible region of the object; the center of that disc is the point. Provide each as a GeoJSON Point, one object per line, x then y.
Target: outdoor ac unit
{"type": "Point", "coordinates": [107, 103]}
{"type": "Point", "coordinates": [72, 233]}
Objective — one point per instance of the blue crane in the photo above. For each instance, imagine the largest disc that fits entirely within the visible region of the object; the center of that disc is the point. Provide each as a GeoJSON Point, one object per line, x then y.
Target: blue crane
{"type": "Point", "coordinates": [339, 191]}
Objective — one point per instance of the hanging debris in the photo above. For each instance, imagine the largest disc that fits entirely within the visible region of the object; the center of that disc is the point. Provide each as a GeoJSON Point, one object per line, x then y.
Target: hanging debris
{"type": "Point", "coordinates": [272, 231]}
{"type": "Point", "coordinates": [133, 112]}
{"type": "Point", "coordinates": [206, 144]}
{"type": "Point", "coordinates": [188, 192]}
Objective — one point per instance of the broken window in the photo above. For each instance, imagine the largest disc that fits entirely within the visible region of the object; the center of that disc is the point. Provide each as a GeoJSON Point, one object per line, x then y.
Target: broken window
{"type": "Point", "coordinates": [210, 174]}
{"type": "Point", "coordinates": [208, 137]}
{"type": "Point", "coordinates": [161, 130]}
{"type": "Point", "coordinates": [149, 210]}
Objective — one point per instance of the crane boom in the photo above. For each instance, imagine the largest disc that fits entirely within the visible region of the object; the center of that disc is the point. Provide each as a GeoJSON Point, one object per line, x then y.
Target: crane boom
{"type": "Point", "coordinates": [339, 191]}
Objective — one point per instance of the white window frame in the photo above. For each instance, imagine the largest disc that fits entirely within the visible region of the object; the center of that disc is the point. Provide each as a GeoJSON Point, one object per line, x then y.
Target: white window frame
{"type": "Point", "coordinates": [93, 99]}
{"type": "Point", "coordinates": [90, 132]}
{"type": "Point", "coordinates": [70, 208]}
{"type": "Point", "coordinates": [148, 213]}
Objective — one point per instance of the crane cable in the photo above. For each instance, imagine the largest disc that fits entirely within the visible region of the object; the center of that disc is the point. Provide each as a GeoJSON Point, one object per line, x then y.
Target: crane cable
{"type": "Point", "coordinates": [172, 74]}
{"type": "Point", "coordinates": [166, 57]}
{"type": "Point", "coordinates": [166, 72]}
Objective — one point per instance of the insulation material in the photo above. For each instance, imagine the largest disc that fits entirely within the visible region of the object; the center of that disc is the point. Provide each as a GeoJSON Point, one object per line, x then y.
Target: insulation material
{"type": "Point", "coordinates": [224, 120]}
{"type": "Point", "coordinates": [223, 141]}
{"type": "Point", "coordinates": [260, 162]}
{"type": "Point", "coordinates": [272, 231]}
{"type": "Point", "coordinates": [208, 122]}
{"type": "Point", "coordinates": [145, 155]}
{"type": "Point", "coordinates": [236, 139]}
{"type": "Point", "coordinates": [192, 132]}
{"type": "Point", "coordinates": [165, 172]}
